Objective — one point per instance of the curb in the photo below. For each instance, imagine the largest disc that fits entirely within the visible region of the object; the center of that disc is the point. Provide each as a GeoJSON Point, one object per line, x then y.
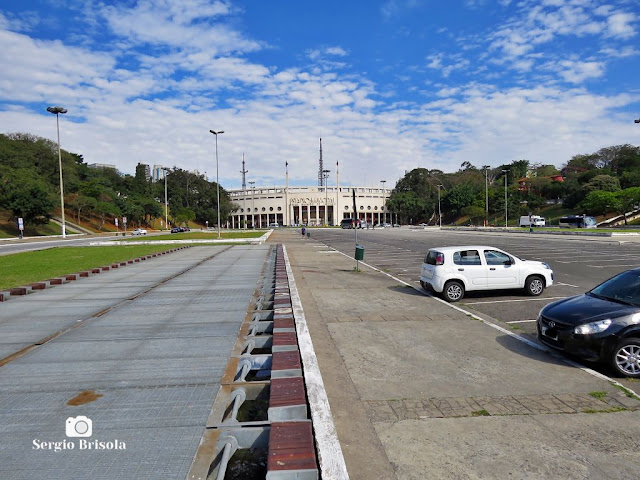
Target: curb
{"type": "Point", "coordinates": [62, 279]}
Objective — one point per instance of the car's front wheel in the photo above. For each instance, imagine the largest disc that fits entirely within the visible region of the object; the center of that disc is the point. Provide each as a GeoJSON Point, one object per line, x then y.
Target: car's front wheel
{"type": "Point", "coordinates": [453, 291]}
{"type": "Point", "coordinates": [534, 285]}
{"type": "Point", "coordinates": [626, 357]}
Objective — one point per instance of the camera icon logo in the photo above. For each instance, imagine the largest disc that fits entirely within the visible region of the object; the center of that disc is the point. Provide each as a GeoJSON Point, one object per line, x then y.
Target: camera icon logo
{"type": "Point", "coordinates": [79, 426]}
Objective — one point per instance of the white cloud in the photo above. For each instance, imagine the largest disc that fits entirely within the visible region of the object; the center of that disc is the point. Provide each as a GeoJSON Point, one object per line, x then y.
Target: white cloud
{"type": "Point", "coordinates": [620, 25]}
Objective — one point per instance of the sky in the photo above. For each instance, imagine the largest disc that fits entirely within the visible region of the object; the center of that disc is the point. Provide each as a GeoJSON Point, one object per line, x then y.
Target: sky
{"type": "Point", "coordinates": [388, 85]}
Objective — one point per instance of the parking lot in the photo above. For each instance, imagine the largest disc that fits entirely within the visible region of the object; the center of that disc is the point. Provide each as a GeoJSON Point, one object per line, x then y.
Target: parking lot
{"type": "Point", "coordinates": [579, 264]}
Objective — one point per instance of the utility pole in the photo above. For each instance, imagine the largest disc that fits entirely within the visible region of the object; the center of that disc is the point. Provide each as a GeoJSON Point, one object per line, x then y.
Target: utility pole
{"type": "Point", "coordinates": [506, 211]}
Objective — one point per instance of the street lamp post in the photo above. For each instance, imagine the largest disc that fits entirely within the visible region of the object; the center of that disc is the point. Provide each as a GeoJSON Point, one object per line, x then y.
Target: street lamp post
{"type": "Point", "coordinates": [439, 211]}
{"type": "Point", "coordinates": [326, 196]}
{"type": "Point", "coordinates": [217, 177]}
{"type": "Point", "coordinates": [506, 211]}
{"type": "Point", "coordinates": [384, 220]}
{"type": "Point", "coordinates": [486, 195]}
{"type": "Point", "coordinates": [166, 202]}
{"type": "Point", "coordinates": [253, 194]}
{"type": "Point", "coordinates": [57, 111]}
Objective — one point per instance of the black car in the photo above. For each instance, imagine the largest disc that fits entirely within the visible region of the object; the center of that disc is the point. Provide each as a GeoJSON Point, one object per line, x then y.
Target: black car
{"type": "Point", "coordinates": [602, 325]}
{"type": "Point", "coordinates": [176, 230]}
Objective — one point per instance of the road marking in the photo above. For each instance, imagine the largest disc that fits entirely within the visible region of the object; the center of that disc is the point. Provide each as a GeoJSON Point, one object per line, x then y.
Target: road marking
{"type": "Point", "coordinates": [510, 301]}
{"type": "Point", "coordinates": [609, 266]}
{"type": "Point", "coordinates": [521, 321]}
{"type": "Point", "coordinates": [567, 285]}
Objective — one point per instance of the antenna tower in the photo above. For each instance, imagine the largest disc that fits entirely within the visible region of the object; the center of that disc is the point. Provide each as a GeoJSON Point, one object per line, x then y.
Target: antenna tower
{"type": "Point", "coordinates": [244, 177]}
{"type": "Point", "coordinates": [320, 173]}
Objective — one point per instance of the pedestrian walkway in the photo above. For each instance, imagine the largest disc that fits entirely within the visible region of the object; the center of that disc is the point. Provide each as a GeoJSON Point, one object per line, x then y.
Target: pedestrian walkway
{"type": "Point", "coordinates": [420, 390]}
{"type": "Point", "coordinates": [127, 394]}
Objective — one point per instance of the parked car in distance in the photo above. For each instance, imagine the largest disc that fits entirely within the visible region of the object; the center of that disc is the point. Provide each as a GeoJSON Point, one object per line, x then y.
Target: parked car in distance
{"type": "Point", "coordinates": [452, 271]}
{"type": "Point", "coordinates": [185, 229]}
{"type": "Point", "coordinates": [531, 221]}
{"type": "Point", "coordinates": [601, 325]}
{"type": "Point", "coordinates": [139, 231]}
{"type": "Point", "coordinates": [350, 223]}
{"type": "Point", "coordinates": [176, 230]}
{"type": "Point", "coordinates": [274, 225]}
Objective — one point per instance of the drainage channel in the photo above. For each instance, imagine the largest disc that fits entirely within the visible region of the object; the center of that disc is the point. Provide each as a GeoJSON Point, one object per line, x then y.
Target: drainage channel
{"type": "Point", "coordinates": [259, 426]}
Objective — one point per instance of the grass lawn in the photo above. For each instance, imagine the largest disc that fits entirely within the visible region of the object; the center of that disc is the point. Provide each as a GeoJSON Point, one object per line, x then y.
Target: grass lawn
{"type": "Point", "coordinates": [28, 267]}
{"type": "Point", "coordinates": [197, 235]}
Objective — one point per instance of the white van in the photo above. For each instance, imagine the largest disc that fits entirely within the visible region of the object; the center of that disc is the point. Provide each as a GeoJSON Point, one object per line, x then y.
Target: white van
{"type": "Point", "coordinates": [531, 221]}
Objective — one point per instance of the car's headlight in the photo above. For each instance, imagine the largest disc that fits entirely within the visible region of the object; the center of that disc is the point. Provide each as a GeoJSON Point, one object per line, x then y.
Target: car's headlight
{"type": "Point", "coordinates": [594, 327]}
{"type": "Point", "coordinates": [546, 265]}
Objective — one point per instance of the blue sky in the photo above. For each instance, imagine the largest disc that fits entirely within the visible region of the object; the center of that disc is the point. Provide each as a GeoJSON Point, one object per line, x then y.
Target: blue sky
{"type": "Point", "coordinates": [389, 85]}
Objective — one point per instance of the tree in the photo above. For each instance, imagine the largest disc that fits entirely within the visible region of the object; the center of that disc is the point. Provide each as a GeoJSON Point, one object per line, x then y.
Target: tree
{"type": "Point", "coordinates": [628, 200]}
{"type": "Point", "coordinates": [475, 213]}
{"type": "Point", "coordinates": [599, 202]}
{"type": "Point", "coordinates": [606, 183]}
{"type": "Point", "coordinates": [27, 196]}
{"type": "Point", "coordinates": [459, 197]}
{"type": "Point", "coordinates": [183, 215]}
{"type": "Point", "coordinates": [107, 209]}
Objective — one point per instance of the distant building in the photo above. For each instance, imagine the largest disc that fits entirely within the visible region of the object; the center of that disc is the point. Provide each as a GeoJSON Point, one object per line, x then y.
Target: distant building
{"type": "Point", "coordinates": [101, 165]}
{"type": "Point", "coordinates": [158, 173]}
{"type": "Point", "coordinates": [306, 205]}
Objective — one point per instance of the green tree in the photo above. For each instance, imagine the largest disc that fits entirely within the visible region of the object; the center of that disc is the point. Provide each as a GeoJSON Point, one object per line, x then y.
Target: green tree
{"type": "Point", "coordinates": [599, 202]}
{"type": "Point", "coordinates": [28, 196]}
{"type": "Point", "coordinates": [606, 183]}
{"type": "Point", "coordinates": [628, 200]}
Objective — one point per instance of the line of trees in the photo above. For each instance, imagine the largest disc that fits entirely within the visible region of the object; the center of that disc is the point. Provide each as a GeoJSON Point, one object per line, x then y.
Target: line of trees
{"type": "Point", "coordinates": [29, 188]}
{"type": "Point", "coordinates": [607, 181]}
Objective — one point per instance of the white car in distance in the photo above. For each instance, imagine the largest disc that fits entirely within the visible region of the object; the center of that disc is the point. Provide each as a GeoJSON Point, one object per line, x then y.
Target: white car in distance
{"type": "Point", "coordinates": [139, 231]}
{"type": "Point", "coordinates": [452, 271]}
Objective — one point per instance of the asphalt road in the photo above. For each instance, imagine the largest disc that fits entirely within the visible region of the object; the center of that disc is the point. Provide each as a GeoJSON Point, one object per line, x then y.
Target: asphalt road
{"type": "Point", "coordinates": [579, 264]}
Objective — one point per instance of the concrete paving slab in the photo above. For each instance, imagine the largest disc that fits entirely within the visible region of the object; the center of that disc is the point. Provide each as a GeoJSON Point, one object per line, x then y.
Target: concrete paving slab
{"type": "Point", "coordinates": [155, 370]}
{"type": "Point", "coordinates": [524, 447]}
{"type": "Point", "coordinates": [419, 390]}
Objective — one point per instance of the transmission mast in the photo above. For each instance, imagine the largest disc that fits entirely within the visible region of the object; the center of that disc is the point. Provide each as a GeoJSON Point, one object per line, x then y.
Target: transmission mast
{"type": "Point", "coordinates": [244, 177]}
{"type": "Point", "coordinates": [320, 170]}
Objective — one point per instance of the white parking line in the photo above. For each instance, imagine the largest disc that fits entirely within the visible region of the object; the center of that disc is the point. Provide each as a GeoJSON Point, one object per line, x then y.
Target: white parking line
{"type": "Point", "coordinates": [511, 301]}
{"type": "Point", "coordinates": [521, 321]}
{"type": "Point", "coordinates": [567, 285]}
{"type": "Point", "coordinates": [609, 266]}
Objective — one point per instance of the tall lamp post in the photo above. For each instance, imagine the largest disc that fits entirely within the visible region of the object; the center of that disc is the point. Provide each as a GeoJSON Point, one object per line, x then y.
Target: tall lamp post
{"type": "Point", "coordinates": [384, 220]}
{"type": "Point", "coordinates": [253, 194]}
{"type": "Point", "coordinates": [217, 176]}
{"type": "Point", "coordinates": [166, 202]}
{"type": "Point", "coordinates": [439, 211]}
{"type": "Point", "coordinates": [326, 196]}
{"type": "Point", "coordinates": [57, 111]}
{"type": "Point", "coordinates": [486, 195]}
{"type": "Point", "coordinates": [506, 211]}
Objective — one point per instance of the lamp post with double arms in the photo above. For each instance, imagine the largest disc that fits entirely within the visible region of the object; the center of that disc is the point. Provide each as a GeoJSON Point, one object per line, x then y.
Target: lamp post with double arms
{"type": "Point", "coordinates": [217, 176]}
{"type": "Point", "coordinates": [506, 211]}
{"type": "Point", "coordinates": [57, 111]}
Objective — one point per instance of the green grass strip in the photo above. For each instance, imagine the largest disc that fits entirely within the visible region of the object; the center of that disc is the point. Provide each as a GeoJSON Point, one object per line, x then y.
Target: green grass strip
{"type": "Point", "coordinates": [196, 236]}
{"type": "Point", "coordinates": [29, 267]}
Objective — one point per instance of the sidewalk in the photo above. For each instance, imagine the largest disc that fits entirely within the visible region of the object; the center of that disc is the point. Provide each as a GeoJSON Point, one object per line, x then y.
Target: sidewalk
{"type": "Point", "coordinates": [419, 390]}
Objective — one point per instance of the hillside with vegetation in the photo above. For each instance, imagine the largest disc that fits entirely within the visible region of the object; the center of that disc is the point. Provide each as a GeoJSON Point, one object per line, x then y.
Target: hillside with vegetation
{"type": "Point", "coordinates": [605, 183]}
{"type": "Point", "coordinates": [94, 197]}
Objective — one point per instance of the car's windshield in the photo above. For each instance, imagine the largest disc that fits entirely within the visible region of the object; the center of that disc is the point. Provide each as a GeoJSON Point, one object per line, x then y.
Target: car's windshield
{"type": "Point", "coordinates": [623, 288]}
